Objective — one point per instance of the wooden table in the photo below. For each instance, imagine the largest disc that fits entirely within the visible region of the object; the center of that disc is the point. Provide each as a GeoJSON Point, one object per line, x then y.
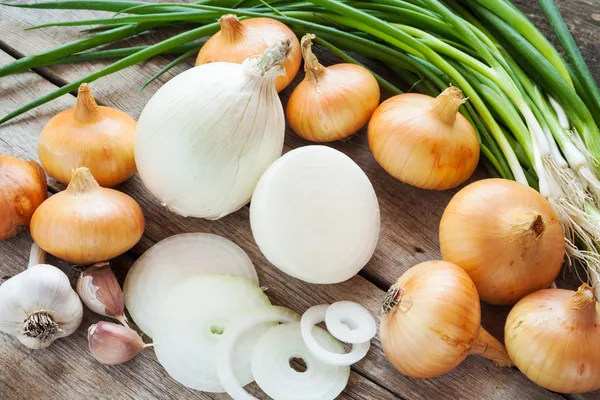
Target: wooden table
{"type": "Point", "coordinates": [409, 219]}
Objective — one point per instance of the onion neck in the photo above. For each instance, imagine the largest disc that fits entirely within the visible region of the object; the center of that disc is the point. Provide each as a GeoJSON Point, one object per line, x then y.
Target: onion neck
{"type": "Point", "coordinates": [82, 181]}
{"type": "Point", "coordinates": [529, 229]}
{"type": "Point", "coordinates": [489, 347]}
{"type": "Point", "coordinates": [231, 28]}
{"type": "Point", "coordinates": [582, 305]}
{"type": "Point", "coordinates": [86, 109]}
{"type": "Point", "coordinates": [271, 61]}
{"type": "Point", "coordinates": [314, 70]}
{"type": "Point", "coordinates": [446, 105]}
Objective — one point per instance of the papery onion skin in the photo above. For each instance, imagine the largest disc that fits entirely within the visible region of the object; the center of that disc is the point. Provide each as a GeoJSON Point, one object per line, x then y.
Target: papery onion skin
{"type": "Point", "coordinates": [331, 103]}
{"type": "Point", "coordinates": [431, 321]}
{"type": "Point", "coordinates": [424, 141]}
{"type": "Point", "coordinates": [239, 40]}
{"type": "Point", "coordinates": [86, 224]}
{"type": "Point", "coordinates": [88, 135]}
{"type": "Point", "coordinates": [22, 190]}
{"type": "Point", "coordinates": [552, 336]}
{"type": "Point", "coordinates": [506, 236]}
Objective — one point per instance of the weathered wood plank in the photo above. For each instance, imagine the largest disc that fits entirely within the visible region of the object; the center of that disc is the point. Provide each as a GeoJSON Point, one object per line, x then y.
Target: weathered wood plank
{"type": "Point", "coordinates": [20, 138]}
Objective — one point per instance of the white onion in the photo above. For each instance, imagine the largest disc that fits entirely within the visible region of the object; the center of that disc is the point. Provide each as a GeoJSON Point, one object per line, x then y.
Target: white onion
{"type": "Point", "coordinates": [175, 260]}
{"type": "Point", "coordinates": [273, 373]}
{"type": "Point", "coordinates": [190, 324]}
{"type": "Point", "coordinates": [207, 135]}
{"type": "Point", "coordinates": [226, 356]}
{"type": "Point", "coordinates": [315, 216]}
{"type": "Point", "coordinates": [313, 316]}
{"type": "Point", "coordinates": [350, 322]}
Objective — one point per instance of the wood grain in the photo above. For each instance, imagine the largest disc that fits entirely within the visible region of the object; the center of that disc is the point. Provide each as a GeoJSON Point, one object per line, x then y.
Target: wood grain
{"type": "Point", "coordinates": [409, 235]}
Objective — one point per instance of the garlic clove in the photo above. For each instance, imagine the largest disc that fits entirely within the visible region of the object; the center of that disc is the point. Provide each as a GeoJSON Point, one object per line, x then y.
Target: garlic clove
{"type": "Point", "coordinates": [99, 290]}
{"type": "Point", "coordinates": [113, 344]}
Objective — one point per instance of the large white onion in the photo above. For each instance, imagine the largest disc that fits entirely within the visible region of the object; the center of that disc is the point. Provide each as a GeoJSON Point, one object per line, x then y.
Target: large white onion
{"type": "Point", "coordinates": [206, 136]}
{"type": "Point", "coordinates": [315, 215]}
{"type": "Point", "coordinates": [175, 260]}
{"type": "Point", "coordinates": [189, 324]}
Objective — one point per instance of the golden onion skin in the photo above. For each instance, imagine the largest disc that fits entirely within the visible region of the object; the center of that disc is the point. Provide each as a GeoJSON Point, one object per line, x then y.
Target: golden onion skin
{"type": "Point", "coordinates": [22, 190]}
{"type": "Point", "coordinates": [415, 145]}
{"type": "Point", "coordinates": [506, 236]}
{"type": "Point", "coordinates": [88, 135]}
{"type": "Point", "coordinates": [431, 321]}
{"type": "Point", "coordinates": [552, 336]}
{"type": "Point", "coordinates": [239, 40]}
{"type": "Point", "coordinates": [86, 224]}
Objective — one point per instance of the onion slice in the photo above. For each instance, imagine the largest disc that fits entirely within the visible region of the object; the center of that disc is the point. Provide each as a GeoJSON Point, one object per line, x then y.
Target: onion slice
{"type": "Point", "coordinates": [191, 322]}
{"type": "Point", "coordinates": [175, 260]}
{"type": "Point", "coordinates": [239, 331]}
{"type": "Point", "coordinates": [350, 322]}
{"type": "Point", "coordinates": [273, 373]}
{"type": "Point", "coordinates": [313, 316]}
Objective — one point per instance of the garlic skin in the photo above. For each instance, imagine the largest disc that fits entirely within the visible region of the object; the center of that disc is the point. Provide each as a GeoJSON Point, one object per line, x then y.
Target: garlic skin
{"type": "Point", "coordinates": [99, 290]}
{"type": "Point", "coordinates": [88, 135]}
{"type": "Point", "coordinates": [207, 135]}
{"type": "Point", "coordinates": [39, 306]}
{"type": "Point", "coordinates": [331, 103]}
{"type": "Point", "coordinates": [238, 40]}
{"type": "Point", "coordinates": [552, 336]}
{"type": "Point", "coordinates": [86, 224]}
{"type": "Point", "coordinates": [22, 190]}
{"type": "Point", "coordinates": [113, 344]}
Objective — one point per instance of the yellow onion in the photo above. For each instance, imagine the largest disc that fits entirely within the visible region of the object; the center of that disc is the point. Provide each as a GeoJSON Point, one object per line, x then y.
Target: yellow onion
{"type": "Point", "coordinates": [424, 141]}
{"type": "Point", "coordinates": [238, 40]}
{"type": "Point", "coordinates": [331, 103]}
{"type": "Point", "coordinates": [506, 236]}
{"type": "Point", "coordinates": [22, 190]}
{"type": "Point", "coordinates": [88, 135]}
{"type": "Point", "coordinates": [552, 336]}
{"type": "Point", "coordinates": [87, 224]}
{"type": "Point", "coordinates": [431, 321]}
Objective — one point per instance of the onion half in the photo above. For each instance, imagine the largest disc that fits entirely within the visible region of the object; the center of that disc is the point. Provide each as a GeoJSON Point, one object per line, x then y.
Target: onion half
{"type": "Point", "coordinates": [315, 216]}
{"type": "Point", "coordinates": [191, 321]}
{"type": "Point", "coordinates": [273, 373]}
{"type": "Point", "coordinates": [175, 260]}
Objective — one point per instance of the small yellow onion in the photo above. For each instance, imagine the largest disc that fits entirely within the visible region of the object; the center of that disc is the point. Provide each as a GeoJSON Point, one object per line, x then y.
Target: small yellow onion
{"type": "Point", "coordinates": [506, 236]}
{"type": "Point", "coordinates": [331, 103]}
{"type": "Point", "coordinates": [552, 336]}
{"type": "Point", "coordinates": [22, 190]}
{"type": "Point", "coordinates": [238, 40]}
{"type": "Point", "coordinates": [88, 135]}
{"type": "Point", "coordinates": [431, 321]}
{"type": "Point", "coordinates": [87, 224]}
{"type": "Point", "coordinates": [424, 141]}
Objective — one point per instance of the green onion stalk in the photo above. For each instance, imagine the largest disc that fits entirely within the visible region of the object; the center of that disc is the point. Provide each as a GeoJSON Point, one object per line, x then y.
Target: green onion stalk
{"type": "Point", "coordinates": [536, 115]}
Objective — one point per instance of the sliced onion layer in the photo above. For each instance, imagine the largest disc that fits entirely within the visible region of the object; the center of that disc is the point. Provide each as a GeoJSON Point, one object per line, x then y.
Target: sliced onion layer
{"type": "Point", "coordinates": [194, 318]}
{"type": "Point", "coordinates": [313, 316]}
{"type": "Point", "coordinates": [174, 260]}
{"type": "Point", "coordinates": [226, 353]}
{"type": "Point", "coordinates": [273, 373]}
{"type": "Point", "coordinates": [315, 216]}
{"type": "Point", "coordinates": [350, 322]}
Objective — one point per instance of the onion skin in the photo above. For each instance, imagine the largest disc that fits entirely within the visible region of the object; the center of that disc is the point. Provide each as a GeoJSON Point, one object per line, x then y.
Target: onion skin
{"type": "Point", "coordinates": [424, 141]}
{"type": "Point", "coordinates": [552, 336]}
{"type": "Point", "coordinates": [88, 135]}
{"type": "Point", "coordinates": [431, 321]}
{"type": "Point", "coordinates": [239, 40]}
{"type": "Point", "coordinates": [331, 103]}
{"type": "Point", "coordinates": [22, 190]}
{"type": "Point", "coordinates": [506, 236]}
{"type": "Point", "coordinates": [87, 224]}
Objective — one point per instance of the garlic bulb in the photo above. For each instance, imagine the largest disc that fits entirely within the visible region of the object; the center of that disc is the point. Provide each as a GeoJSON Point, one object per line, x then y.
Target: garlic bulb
{"type": "Point", "coordinates": [207, 136]}
{"type": "Point", "coordinates": [89, 135]}
{"type": "Point", "coordinates": [86, 223]}
{"type": "Point", "coordinates": [39, 305]}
